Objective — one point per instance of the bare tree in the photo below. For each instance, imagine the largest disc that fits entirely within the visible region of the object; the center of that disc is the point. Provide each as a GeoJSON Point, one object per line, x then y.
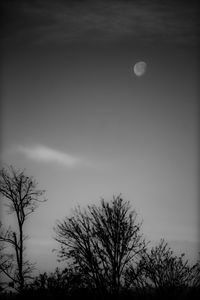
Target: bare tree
{"type": "Point", "coordinates": [6, 260]}
{"type": "Point", "coordinates": [102, 241]}
{"type": "Point", "coordinates": [23, 197]}
{"type": "Point", "coordinates": [161, 269]}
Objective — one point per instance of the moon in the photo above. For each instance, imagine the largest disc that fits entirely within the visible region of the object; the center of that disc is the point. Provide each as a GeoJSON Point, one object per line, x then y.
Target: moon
{"type": "Point", "coordinates": [140, 68]}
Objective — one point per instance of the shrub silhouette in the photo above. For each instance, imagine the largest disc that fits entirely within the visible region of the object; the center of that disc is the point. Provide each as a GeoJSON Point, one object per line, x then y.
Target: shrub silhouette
{"type": "Point", "coordinates": [56, 283]}
{"type": "Point", "coordinates": [160, 269]}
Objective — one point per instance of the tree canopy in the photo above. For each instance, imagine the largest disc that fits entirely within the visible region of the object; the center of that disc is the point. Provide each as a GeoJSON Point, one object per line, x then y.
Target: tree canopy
{"type": "Point", "coordinates": [102, 241]}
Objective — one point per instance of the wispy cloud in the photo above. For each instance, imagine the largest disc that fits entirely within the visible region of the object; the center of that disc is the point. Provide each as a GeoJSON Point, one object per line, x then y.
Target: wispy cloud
{"type": "Point", "coordinates": [43, 22]}
{"type": "Point", "coordinates": [48, 155]}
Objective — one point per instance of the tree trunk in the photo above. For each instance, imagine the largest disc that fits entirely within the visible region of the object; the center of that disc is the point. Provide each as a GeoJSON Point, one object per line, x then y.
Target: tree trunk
{"type": "Point", "coordinates": [21, 277]}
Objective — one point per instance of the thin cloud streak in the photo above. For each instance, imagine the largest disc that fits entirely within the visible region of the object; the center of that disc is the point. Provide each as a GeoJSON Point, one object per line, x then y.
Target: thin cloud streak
{"type": "Point", "coordinates": [47, 155]}
{"type": "Point", "coordinates": [61, 22]}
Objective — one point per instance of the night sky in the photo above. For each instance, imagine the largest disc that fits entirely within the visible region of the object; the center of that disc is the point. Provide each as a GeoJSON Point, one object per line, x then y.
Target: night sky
{"type": "Point", "coordinates": [78, 119]}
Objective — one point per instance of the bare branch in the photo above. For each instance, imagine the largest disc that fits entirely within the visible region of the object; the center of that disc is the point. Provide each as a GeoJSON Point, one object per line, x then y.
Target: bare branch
{"type": "Point", "coordinates": [23, 197]}
{"type": "Point", "coordinates": [102, 241]}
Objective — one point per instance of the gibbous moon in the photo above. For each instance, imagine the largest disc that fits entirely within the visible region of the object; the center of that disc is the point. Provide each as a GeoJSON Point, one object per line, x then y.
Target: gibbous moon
{"type": "Point", "coordinates": [140, 68]}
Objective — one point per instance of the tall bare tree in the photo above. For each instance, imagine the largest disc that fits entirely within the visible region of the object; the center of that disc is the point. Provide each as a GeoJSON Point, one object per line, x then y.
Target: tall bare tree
{"type": "Point", "coordinates": [102, 241]}
{"type": "Point", "coordinates": [22, 199]}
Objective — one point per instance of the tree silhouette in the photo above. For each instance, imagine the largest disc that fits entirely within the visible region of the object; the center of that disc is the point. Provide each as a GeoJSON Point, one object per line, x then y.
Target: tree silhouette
{"type": "Point", "coordinates": [161, 269]}
{"type": "Point", "coordinates": [102, 241]}
{"type": "Point", "coordinates": [195, 278]}
{"type": "Point", "coordinates": [23, 197]}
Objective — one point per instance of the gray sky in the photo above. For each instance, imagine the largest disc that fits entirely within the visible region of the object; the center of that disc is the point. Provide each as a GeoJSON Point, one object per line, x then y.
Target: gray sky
{"type": "Point", "coordinates": [76, 117]}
